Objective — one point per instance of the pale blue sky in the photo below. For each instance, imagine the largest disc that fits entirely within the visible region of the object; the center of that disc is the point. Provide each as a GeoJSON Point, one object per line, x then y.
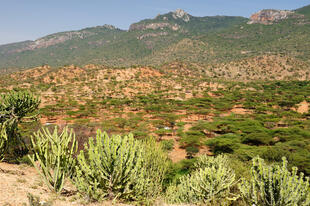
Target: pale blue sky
{"type": "Point", "coordinates": [30, 19]}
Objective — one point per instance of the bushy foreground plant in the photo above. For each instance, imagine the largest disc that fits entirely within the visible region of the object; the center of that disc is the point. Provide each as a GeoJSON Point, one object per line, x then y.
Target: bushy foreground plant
{"type": "Point", "coordinates": [14, 107]}
{"type": "Point", "coordinates": [3, 141]}
{"type": "Point", "coordinates": [116, 167]}
{"type": "Point", "coordinates": [54, 153]}
{"type": "Point", "coordinates": [210, 183]}
{"type": "Point", "coordinates": [275, 186]}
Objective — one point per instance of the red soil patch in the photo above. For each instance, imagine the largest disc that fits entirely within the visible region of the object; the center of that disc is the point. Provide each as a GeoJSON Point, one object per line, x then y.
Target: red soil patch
{"type": "Point", "coordinates": [239, 109]}
{"type": "Point", "coordinates": [303, 107]}
{"type": "Point", "coordinates": [177, 154]}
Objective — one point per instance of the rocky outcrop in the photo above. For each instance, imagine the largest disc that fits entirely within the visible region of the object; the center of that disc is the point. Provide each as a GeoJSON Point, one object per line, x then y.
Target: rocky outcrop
{"type": "Point", "coordinates": [53, 40]}
{"type": "Point", "coordinates": [163, 21]}
{"type": "Point", "coordinates": [154, 26]}
{"type": "Point", "coordinates": [60, 38]}
{"type": "Point", "coordinates": [269, 16]}
{"type": "Point", "coordinates": [181, 14]}
{"type": "Point", "coordinates": [108, 26]}
{"type": "Point", "coordinates": [152, 35]}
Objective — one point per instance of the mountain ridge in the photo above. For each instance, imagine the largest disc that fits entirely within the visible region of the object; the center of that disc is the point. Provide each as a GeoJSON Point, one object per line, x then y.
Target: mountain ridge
{"type": "Point", "coordinates": [174, 36]}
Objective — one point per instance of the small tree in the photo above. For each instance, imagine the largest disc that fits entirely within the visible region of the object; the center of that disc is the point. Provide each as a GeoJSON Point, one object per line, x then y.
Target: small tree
{"type": "Point", "coordinates": [54, 153]}
{"type": "Point", "coordinates": [14, 108]}
{"type": "Point", "coordinates": [275, 186]}
{"type": "Point", "coordinates": [191, 151]}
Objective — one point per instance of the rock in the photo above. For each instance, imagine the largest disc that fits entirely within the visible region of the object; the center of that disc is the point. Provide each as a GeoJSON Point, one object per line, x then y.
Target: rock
{"type": "Point", "coordinates": [152, 35]}
{"type": "Point", "coordinates": [54, 39]}
{"type": "Point", "coordinates": [154, 26]}
{"type": "Point", "coordinates": [178, 14]}
{"type": "Point", "coordinates": [109, 26]}
{"type": "Point", "coordinates": [181, 14]}
{"type": "Point", "coordinates": [59, 38]}
{"type": "Point", "coordinates": [269, 16]}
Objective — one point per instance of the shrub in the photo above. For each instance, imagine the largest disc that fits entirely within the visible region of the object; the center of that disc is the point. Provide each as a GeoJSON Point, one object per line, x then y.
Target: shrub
{"type": "Point", "coordinates": [177, 170]}
{"type": "Point", "coordinates": [227, 143]}
{"type": "Point", "coordinates": [3, 141]}
{"type": "Point", "coordinates": [155, 164]}
{"type": "Point", "coordinates": [14, 107]}
{"type": "Point", "coordinates": [119, 167]}
{"type": "Point", "coordinates": [210, 183]}
{"type": "Point", "coordinates": [167, 145]}
{"type": "Point", "coordinates": [275, 153]}
{"type": "Point", "coordinates": [257, 139]}
{"type": "Point", "coordinates": [192, 138]}
{"type": "Point", "coordinates": [191, 152]}
{"type": "Point", "coordinates": [207, 161]}
{"type": "Point", "coordinates": [275, 186]}
{"type": "Point", "coordinates": [54, 153]}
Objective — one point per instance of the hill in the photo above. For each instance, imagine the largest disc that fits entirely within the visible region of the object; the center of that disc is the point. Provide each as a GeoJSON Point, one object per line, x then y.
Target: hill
{"type": "Point", "coordinates": [304, 11]}
{"type": "Point", "coordinates": [175, 36]}
{"type": "Point", "coordinates": [109, 45]}
{"type": "Point", "coordinates": [185, 107]}
{"type": "Point", "coordinates": [213, 92]}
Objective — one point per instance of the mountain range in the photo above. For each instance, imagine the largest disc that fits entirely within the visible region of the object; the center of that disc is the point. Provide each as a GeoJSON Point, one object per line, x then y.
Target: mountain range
{"type": "Point", "coordinates": [173, 37]}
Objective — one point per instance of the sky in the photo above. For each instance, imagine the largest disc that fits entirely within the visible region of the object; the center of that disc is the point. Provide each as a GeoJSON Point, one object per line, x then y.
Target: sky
{"type": "Point", "coordinates": [22, 20]}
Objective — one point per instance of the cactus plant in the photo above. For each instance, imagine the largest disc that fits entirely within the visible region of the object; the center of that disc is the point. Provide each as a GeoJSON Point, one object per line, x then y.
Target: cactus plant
{"type": "Point", "coordinates": [14, 107]}
{"type": "Point", "coordinates": [275, 186]}
{"type": "Point", "coordinates": [116, 167]}
{"type": "Point", "coordinates": [210, 183]}
{"type": "Point", "coordinates": [155, 164]}
{"type": "Point", "coordinates": [204, 161]}
{"type": "Point", "coordinates": [54, 153]}
{"type": "Point", "coordinates": [3, 141]}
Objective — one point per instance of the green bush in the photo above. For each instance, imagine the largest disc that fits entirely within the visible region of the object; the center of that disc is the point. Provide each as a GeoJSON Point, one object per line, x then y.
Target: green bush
{"type": "Point", "coordinates": [155, 164]}
{"type": "Point", "coordinates": [116, 167]}
{"type": "Point", "coordinates": [177, 170]}
{"type": "Point", "coordinates": [275, 186]}
{"type": "Point", "coordinates": [274, 154]}
{"type": "Point", "coordinates": [191, 152]}
{"type": "Point", "coordinates": [54, 153]}
{"type": "Point", "coordinates": [3, 141]}
{"type": "Point", "coordinates": [226, 143]}
{"type": "Point", "coordinates": [14, 107]}
{"type": "Point", "coordinates": [257, 139]}
{"type": "Point", "coordinates": [192, 138]}
{"type": "Point", "coordinates": [167, 145]}
{"type": "Point", "coordinates": [209, 183]}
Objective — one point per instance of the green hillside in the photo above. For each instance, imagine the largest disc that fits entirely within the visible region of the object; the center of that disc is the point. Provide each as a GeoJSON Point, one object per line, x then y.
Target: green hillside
{"type": "Point", "coordinates": [108, 45]}
{"type": "Point", "coordinates": [304, 10]}
{"type": "Point", "coordinates": [176, 110]}
{"type": "Point", "coordinates": [176, 36]}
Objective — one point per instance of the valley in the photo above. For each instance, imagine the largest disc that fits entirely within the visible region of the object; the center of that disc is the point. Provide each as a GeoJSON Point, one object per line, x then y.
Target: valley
{"type": "Point", "coordinates": [163, 113]}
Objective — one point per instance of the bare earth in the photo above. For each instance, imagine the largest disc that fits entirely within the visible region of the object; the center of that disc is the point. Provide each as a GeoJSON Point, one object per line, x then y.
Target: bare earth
{"type": "Point", "coordinates": [303, 107]}
{"type": "Point", "coordinates": [16, 181]}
